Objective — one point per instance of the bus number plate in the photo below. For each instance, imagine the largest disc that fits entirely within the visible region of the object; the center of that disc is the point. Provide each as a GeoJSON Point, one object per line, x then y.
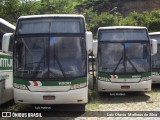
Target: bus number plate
{"type": "Point", "coordinates": [48, 97]}
{"type": "Point", "coordinates": [125, 87]}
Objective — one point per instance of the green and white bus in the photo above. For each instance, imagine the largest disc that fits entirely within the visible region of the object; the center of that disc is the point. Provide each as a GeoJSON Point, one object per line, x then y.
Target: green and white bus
{"type": "Point", "coordinates": [6, 72]}
{"type": "Point", "coordinates": [51, 59]}
{"type": "Point", "coordinates": [124, 58]}
{"type": "Point", "coordinates": [156, 59]}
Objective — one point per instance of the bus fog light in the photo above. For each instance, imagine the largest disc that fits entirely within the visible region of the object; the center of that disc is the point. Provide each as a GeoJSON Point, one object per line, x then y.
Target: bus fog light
{"type": "Point", "coordinates": [155, 73]}
{"type": "Point", "coordinates": [20, 86]}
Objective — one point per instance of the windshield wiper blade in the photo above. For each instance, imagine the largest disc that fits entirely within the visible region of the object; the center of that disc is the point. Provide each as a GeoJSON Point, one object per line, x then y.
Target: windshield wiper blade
{"type": "Point", "coordinates": [118, 64]}
{"type": "Point", "coordinates": [34, 73]}
{"type": "Point", "coordinates": [132, 64]}
{"type": "Point", "coordinates": [60, 66]}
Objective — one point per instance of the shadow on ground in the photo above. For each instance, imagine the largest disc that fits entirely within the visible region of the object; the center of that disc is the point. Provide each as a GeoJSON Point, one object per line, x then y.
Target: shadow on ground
{"type": "Point", "coordinates": [156, 87]}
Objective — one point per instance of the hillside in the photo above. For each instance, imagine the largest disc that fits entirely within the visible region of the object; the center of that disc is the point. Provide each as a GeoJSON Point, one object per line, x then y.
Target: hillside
{"type": "Point", "coordinates": [127, 6]}
{"type": "Point", "coordinates": [96, 12]}
{"type": "Point", "coordinates": [123, 6]}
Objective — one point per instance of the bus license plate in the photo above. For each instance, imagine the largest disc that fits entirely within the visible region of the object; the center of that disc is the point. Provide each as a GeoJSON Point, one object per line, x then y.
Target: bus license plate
{"type": "Point", "coordinates": [125, 87]}
{"type": "Point", "coordinates": [48, 97]}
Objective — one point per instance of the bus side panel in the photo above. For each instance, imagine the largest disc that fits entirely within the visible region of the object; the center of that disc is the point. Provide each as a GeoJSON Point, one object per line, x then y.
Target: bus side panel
{"type": "Point", "coordinates": [6, 86]}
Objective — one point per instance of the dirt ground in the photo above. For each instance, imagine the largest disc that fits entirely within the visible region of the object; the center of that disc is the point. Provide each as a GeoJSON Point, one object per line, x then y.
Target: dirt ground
{"type": "Point", "coordinates": [99, 106]}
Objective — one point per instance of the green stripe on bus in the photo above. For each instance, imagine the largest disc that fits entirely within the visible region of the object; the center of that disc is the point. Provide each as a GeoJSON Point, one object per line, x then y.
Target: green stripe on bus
{"type": "Point", "coordinates": [6, 62]}
{"type": "Point", "coordinates": [155, 70]}
{"type": "Point", "coordinates": [103, 74]}
{"type": "Point", "coordinates": [51, 82]}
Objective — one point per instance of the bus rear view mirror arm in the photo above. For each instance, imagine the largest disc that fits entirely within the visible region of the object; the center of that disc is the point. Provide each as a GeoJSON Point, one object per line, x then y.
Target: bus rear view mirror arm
{"type": "Point", "coordinates": [154, 46]}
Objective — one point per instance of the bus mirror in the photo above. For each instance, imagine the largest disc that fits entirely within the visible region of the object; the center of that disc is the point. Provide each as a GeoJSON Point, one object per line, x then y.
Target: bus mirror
{"type": "Point", "coordinates": [95, 47]}
{"type": "Point", "coordinates": [89, 41]}
{"type": "Point", "coordinates": [5, 42]}
{"type": "Point", "coordinates": [154, 46]}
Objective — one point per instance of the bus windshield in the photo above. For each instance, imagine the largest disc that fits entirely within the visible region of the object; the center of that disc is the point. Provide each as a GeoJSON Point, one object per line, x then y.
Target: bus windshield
{"type": "Point", "coordinates": [122, 35]}
{"type": "Point", "coordinates": [50, 25]}
{"type": "Point", "coordinates": [50, 57]}
{"type": "Point", "coordinates": [122, 53]}
{"type": "Point", "coordinates": [156, 57]}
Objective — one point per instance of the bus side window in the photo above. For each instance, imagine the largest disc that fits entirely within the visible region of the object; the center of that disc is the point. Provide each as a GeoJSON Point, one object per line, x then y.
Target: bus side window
{"type": "Point", "coordinates": [11, 44]}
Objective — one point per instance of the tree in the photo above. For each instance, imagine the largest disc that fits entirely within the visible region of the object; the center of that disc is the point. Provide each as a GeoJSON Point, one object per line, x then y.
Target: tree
{"type": "Point", "coordinates": [10, 10]}
{"type": "Point", "coordinates": [30, 8]}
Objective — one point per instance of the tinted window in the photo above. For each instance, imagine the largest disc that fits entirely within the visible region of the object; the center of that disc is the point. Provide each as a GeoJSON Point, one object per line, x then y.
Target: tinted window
{"type": "Point", "coordinates": [122, 34]}
{"type": "Point", "coordinates": [50, 25]}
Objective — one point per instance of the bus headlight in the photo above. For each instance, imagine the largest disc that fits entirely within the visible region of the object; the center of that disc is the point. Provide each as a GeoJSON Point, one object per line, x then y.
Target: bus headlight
{"type": "Point", "coordinates": [20, 86]}
{"type": "Point", "coordinates": [145, 79]}
{"type": "Point", "coordinates": [103, 79]}
{"type": "Point", "coordinates": [155, 73]}
{"type": "Point", "coordinates": [77, 86]}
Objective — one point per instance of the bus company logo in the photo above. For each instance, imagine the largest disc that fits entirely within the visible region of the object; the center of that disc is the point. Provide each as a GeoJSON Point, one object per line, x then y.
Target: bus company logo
{"type": "Point", "coordinates": [64, 83]}
{"type": "Point", "coordinates": [136, 76]}
{"type": "Point", "coordinates": [22, 115]}
{"type": "Point", "coordinates": [6, 114]}
{"type": "Point", "coordinates": [5, 62]}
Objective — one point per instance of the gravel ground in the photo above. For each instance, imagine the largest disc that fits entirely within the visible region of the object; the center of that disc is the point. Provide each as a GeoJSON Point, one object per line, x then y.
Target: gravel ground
{"type": "Point", "coordinates": [107, 102]}
{"type": "Point", "coordinates": [133, 101]}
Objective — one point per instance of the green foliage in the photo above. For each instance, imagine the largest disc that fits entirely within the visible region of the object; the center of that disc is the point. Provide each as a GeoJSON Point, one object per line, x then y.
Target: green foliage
{"type": "Point", "coordinates": [151, 20]}
{"type": "Point", "coordinates": [58, 7]}
{"type": "Point", "coordinates": [98, 20]}
{"type": "Point", "coordinates": [30, 8]}
{"type": "Point", "coordinates": [132, 20]}
{"type": "Point", "coordinates": [97, 12]}
{"type": "Point", "coordinates": [97, 6]}
{"type": "Point", "coordinates": [10, 10]}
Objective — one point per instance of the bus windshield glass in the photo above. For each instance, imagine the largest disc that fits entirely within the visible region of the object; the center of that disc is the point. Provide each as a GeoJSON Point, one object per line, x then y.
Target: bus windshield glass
{"type": "Point", "coordinates": [123, 35]}
{"type": "Point", "coordinates": [50, 57]}
{"type": "Point", "coordinates": [50, 25]}
{"type": "Point", "coordinates": [156, 57]}
{"type": "Point", "coordinates": [122, 53]}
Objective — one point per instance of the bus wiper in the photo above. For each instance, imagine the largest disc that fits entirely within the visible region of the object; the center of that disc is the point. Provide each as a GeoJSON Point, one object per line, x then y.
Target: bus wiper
{"type": "Point", "coordinates": [132, 64]}
{"type": "Point", "coordinates": [118, 64]}
{"type": "Point", "coordinates": [34, 73]}
{"type": "Point", "coordinates": [60, 66]}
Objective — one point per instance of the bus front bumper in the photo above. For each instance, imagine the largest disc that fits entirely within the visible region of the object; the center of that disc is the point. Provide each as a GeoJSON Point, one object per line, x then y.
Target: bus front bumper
{"type": "Point", "coordinates": [77, 96]}
{"type": "Point", "coordinates": [126, 87]}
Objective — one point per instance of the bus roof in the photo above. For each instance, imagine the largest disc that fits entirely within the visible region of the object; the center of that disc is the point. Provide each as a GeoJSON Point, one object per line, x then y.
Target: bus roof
{"type": "Point", "coordinates": [4, 22]}
{"type": "Point", "coordinates": [51, 15]}
{"type": "Point", "coordinates": [154, 33]}
{"type": "Point", "coordinates": [122, 27]}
